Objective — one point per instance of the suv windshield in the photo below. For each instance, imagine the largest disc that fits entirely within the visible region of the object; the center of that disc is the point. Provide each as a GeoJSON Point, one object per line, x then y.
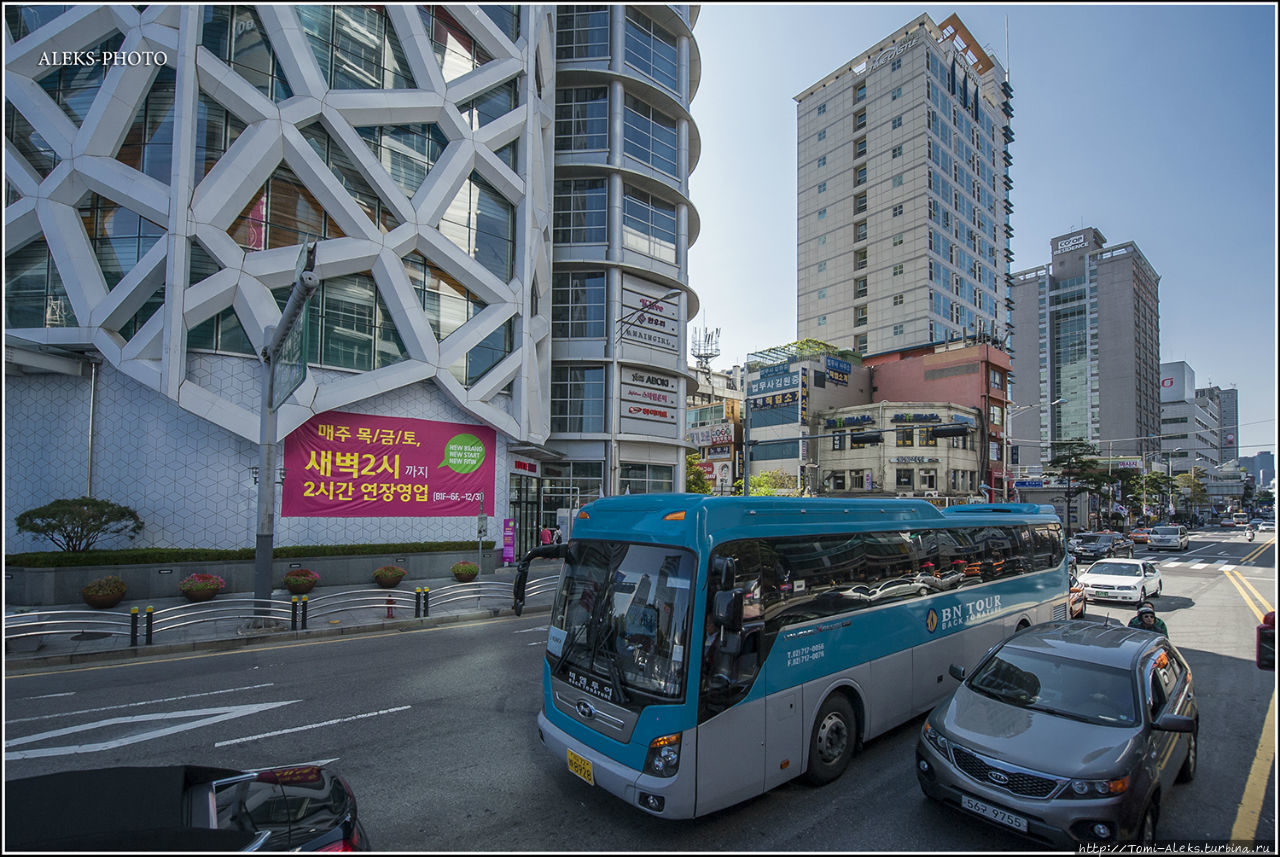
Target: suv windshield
{"type": "Point", "coordinates": [1165, 531]}
{"type": "Point", "coordinates": [1069, 688]}
{"type": "Point", "coordinates": [620, 623]}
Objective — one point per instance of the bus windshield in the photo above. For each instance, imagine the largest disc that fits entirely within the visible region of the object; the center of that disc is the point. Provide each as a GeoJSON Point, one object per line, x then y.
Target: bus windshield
{"type": "Point", "coordinates": [621, 618]}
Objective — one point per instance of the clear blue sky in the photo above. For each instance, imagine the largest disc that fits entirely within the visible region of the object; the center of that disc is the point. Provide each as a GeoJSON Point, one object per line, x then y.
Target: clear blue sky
{"type": "Point", "coordinates": [1155, 124]}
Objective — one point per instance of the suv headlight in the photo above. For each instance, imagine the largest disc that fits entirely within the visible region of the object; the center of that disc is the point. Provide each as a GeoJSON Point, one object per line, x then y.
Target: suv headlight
{"type": "Point", "coordinates": [936, 739]}
{"type": "Point", "coordinates": [1096, 788]}
{"type": "Point", "coordinates": [664, 756]}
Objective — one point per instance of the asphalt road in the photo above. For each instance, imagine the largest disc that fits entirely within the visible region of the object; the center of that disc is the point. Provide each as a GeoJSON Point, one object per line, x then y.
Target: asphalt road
{"type": "Point", "coordinates": [434, 729]}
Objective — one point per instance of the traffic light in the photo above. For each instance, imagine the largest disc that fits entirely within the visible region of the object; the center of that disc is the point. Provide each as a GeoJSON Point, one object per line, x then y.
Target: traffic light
{"type": "Point", "coordinates": [951, 430]}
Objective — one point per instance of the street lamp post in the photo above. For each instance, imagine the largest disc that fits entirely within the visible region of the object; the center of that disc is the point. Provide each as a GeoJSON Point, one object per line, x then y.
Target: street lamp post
{"type": "Point", "coordinates": [1010, 411]}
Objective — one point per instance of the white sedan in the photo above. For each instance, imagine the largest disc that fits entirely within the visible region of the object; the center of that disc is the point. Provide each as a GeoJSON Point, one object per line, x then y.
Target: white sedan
{"type": "Point", "coordinates": [1267, 527]}
{"type": "Point", "coordinates": [1131, 580]}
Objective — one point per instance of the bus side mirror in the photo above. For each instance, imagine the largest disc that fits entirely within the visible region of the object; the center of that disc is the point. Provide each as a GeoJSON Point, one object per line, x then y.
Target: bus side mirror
{"type": "Point", "coordinates": [1266, 642]}
{"type": "Point", "coordinates": [725, 570]}
{"type": "Point", "coordinates": [727, 610]}
{"type": "Point", "coordinates": [956, 671]}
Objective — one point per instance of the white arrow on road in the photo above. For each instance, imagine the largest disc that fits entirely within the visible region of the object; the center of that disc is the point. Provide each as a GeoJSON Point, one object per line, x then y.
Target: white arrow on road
{"type": "Point", "coordinates": [193, 719]}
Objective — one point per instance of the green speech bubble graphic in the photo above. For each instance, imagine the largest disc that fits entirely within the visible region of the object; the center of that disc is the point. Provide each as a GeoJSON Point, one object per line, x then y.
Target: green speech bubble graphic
{"type": "Point", "coordinates": [464, 453]}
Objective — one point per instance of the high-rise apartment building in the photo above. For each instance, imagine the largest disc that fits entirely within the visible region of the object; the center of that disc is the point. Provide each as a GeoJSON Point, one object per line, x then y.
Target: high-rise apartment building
{"type": "Point", "coordinates": [903, 194]}
{"type": "Point", "coordinates": [1086, 344]}
{"type": "Point", "coordinates": [500, 199]}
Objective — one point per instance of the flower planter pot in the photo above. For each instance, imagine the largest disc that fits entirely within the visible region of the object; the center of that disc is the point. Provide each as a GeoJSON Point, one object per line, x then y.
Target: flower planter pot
{"type": "Point", "coordinates": [388, 582]}
{"type": "Point", "coordinates": [200, 594]}
{"type": "Point", "coordinates": [102, 602]}
{"type": "Point", "coordinates": [299, 587]}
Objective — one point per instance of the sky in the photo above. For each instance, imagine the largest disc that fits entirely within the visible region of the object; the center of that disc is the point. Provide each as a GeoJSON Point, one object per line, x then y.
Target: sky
{"type": "Point", "coordinates": [1155, 124]}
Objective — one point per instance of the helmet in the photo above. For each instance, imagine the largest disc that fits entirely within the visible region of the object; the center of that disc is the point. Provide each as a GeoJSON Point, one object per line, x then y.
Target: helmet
{"type": "Point", "coordinates": [1146, 611]}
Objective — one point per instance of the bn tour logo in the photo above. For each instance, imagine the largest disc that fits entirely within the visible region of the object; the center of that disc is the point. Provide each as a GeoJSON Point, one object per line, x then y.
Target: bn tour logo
{"type": "Point", "coordinates": [965, 613]}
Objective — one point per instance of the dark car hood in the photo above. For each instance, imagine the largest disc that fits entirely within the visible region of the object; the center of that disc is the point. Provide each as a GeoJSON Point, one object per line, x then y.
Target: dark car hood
{"type": "Point", "coordinates": [297, 805]}
{"type": "Point", "coordinates": [1036, 739]}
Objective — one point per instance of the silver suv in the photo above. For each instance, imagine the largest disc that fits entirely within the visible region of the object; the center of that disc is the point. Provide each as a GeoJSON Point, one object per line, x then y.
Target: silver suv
{"type": "Point", "coordinates": [1169, 538]}
{"type": "Point", "coordinates": [1068, 732]}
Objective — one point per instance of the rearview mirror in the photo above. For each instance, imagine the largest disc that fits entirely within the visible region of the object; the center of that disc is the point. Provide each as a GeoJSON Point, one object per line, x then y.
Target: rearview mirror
{"type": "Point", "coordinates": [956, 671]}
{"type": "Point", "coordinates": [727, 609]}
{"type": "Point", "coordinates": [1169, 722]}
{"type": "Point", "coordinates": [725, 570]}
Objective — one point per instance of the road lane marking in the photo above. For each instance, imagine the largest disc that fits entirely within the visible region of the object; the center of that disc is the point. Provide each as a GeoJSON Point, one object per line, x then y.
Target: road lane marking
{"type": "Point", "coordinates": [203, 717]}
{"type": "Point", "coordinates": [1239, 582]}
{"type": "Point", "coordinates": [293, 729]}
{"type": "Point", "coordinates": [135, 704]}
{"type": "Point", "coordinates": [1245, 828]}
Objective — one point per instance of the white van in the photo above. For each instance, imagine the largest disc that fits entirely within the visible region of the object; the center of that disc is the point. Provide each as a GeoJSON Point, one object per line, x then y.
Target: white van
{"type": "Point", "coordinates": [1172, 538]}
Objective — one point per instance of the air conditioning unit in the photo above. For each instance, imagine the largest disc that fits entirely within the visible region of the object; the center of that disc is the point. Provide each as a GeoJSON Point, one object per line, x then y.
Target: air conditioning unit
{"type": "Point", "coordinates": [931, 494]}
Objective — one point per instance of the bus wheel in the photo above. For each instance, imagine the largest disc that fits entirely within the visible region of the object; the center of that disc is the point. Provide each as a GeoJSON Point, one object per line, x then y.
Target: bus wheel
{"type": "Point", "coordinates": [831, 746]}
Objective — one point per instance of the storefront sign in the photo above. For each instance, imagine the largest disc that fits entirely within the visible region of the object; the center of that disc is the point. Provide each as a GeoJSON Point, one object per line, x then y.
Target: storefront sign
{"type": "Point", "coordinates": [859, 420]}
{"type": "Point", "coordinates": [895, 51]}
{"type": "Point", "coordinates": [773, 384]}
{"type": "Point", "coordinates": [914, 459]}
{"type": "Point", "coordinates": [344, 465]}
{"type": "Point", "coordinates": [838, 371]}
{"type": "Point", "coordinates": [508, 541]}
{"type": "Point", "coordinates": [649, 395]}
{"type": "Point", "coordinates": [650, 321]}
{"type": "Point", "coordinates": [777, 400]}
{"type": "Point", "coordinates": [775, 369]}
{"type": "Point", "coordinates": [915, 418]}
{"type": "Point", "coordinates": [1075, 242]}
{"type": "Point", "coordinates": [708, 435]}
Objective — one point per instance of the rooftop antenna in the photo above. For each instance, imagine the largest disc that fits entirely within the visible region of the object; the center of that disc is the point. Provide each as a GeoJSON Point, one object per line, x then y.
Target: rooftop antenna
{"type": "Point", "coordinates": [706, 347]}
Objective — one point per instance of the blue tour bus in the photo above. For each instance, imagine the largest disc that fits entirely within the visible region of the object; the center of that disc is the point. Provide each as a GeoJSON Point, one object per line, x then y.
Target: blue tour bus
{"type": "Point", "coordinates": [703, 650]}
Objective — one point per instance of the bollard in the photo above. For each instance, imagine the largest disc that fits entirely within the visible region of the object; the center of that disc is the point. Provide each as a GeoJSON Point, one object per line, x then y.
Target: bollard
{"type": "Point", "coordinates": [304, 612]}
{"type": "Point", "coordinates": [293, 614]}
{"type": "Point", "coordinates": [417, 603]}
{"type": "Point", "coordinates": [151, 618]}
{"type": "Point", "coordinates": [391, 608]}
{"type": "Point", "coordinates": [133, 626]}
{"type": "Point", "coordinates": [426, 601]}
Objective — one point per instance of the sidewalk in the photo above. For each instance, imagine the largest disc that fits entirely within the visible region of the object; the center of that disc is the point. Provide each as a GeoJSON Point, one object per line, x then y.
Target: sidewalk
{"type": "Point", "coordinates": [448, 601]}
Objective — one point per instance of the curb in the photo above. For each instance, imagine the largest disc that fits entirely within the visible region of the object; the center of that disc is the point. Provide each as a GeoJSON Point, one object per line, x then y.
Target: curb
{"type": "Point", "coordinates": [122, 657]}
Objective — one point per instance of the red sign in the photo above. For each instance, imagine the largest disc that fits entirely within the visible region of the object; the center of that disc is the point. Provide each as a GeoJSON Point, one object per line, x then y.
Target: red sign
{"type": "Point", "coordinates": [343, 465]}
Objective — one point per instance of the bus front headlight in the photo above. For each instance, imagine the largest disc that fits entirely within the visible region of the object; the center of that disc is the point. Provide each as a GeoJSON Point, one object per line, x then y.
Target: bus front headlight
{"type": "Point", "coordinates": [664, 756]}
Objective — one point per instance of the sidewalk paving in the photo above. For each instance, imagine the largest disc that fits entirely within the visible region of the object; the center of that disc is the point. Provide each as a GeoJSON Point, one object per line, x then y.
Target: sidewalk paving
{"type": "Point", "coordinates": [447, 601]}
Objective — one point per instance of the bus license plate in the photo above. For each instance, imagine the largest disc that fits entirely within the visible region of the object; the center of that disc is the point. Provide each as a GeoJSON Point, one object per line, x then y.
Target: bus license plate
{"type": "Point", "coordinates": [581, 767]}
{"type": "Point", "coordinates": [994, 813]}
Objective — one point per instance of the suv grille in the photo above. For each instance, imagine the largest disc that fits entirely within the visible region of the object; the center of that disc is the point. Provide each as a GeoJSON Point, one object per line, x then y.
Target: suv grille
{"type": "Point", "coordinates": [1019, 782]}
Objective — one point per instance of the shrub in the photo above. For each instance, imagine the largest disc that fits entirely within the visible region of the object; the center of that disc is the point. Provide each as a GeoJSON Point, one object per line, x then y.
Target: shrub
{"type": "Point", "coordinates": [200, 582]}
{"type": "Point", "coordinates": [465, 571]}
{"type": "Point", "coordinates": [301, 575]}
{"type": "Point", "coordinates": [106, 586]}
{"type": "Point", "coordinates": [389, 574]}
{"type": "Point", "coordinates": [75, 525]}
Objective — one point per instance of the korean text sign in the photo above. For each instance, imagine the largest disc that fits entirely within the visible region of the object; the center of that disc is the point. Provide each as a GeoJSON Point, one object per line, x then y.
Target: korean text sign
{"type": "Point", "coordinates": [342, 465]}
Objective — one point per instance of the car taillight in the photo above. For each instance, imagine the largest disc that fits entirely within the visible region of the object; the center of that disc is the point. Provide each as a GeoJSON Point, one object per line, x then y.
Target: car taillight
{"type": "Point", "coordinates": [340, 845]}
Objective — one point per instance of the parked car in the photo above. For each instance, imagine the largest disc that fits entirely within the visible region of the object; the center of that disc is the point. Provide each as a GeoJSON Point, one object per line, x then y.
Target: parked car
{"type": "Point", "coordinates": [184, 808]}
{"type": "Point", "coordinates": [1172, 538]}
{"type": "Point", "coordinates": [1094, 546]}
{"type": "Point", "coordinates": [1122, 580]}
{"type": "Point", "coordinates": [1267, 527]}
{"type": "Point", "coordinates": [1068, 732]}
{"type": "Point", "coordinates": [1138, 535]}
{"type": "Point", "coordinates": [1076, 598]}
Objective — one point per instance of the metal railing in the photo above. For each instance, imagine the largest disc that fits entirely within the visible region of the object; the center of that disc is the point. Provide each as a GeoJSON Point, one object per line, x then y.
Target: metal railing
{"type": "Point", "coordinates": [146, 627]}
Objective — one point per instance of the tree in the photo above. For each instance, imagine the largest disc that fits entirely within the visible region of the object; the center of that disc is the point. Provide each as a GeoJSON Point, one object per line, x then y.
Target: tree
{"type": "Point", "coordinates": [695, 480]}
{"type": "Point", "coordinates": [1192, 489]}
{"type": "Point", "coordinates": [768, 484]}
{"type": "Point", "coordinates": [75, 525]}
{"type": "Point", "coordinates": [1077, 462]}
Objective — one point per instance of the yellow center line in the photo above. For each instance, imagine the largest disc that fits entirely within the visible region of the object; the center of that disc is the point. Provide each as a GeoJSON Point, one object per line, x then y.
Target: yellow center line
{"type": "Point", "coordinates": [1232, 576]}
{"type": "Point", "coordinates": [1245, 827]}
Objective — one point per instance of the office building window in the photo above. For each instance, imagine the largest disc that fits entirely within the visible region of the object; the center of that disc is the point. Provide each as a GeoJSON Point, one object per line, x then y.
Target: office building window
{"type": "Point", "coordinates": [897, 239]}
{"type": "Point", "coordinates": [357, 47]}
{"type": "Point", "coordinates": [860, 93]}
{"type": "Point", "coordinates": [482, 222]}
{"type": "Point", "coordinates": [896, 152]}
{"type": "Point", "coordinates": [860, 287]}
{"type": "Point", "coordinates": [407, 152]}
{"type": "Point", "coordinates": [860, 343]}
{"type": "Point", "coordinates": [859, 316]}
{"type": "Point", "coordinates": [896, 93]}
{"type": "Point", "coordinates": [651, 50]}
{"type": "Point", "coordinates": [859, 147]}
{"type": "Point", "coordinates": [578, 305]}
{"type": "Point", "coordinates": [895, 65]}
{"type": "Point", "coordinates": [897, 330]}
{"type": "Point", "coordinates": [822, 161]}
{"type": "Point", "coordinates": [822, 214]}
{"type": "Point", "coordinates": [582, 32]}
{"type": "Point", "coordinates": [897, 210]}
{"type": "Point", "coordinates": [896, 123]}
{"type": "Point", "coordinates": [897, 180]}
{"type": "Point", "coordinates": [822, 108]}
{"type": "Point", "coordinates": [860, 231]}
{"type": "Point", "coordinates": [646, 478]}
{"type": "Point", "coordinates": [649, 135]}
{"type": "Point", "coordinates": [860, 121]}
{"type": "Point", "coordinates": [897, 270]}
{"type": "Point", "coordinates": [906, 437]}
{"type": "Point", "coordinates": [580, 211]}
{"type": "Point", "coordinates": [905, 480]}
{"type": "Point", "coordinates": [582, 119]}
{"type": "Point", "coordinates": [898, 300]}
{"type": "Point", "coordinates": [860, 203]}
{"type": "Point", "coordinates": [822, 321]}
{"type": "Point", "coordinates": [577, 399]}
{"type": "Point", "coordinates": [648, 225]}
{"type": "Point", "coordinates": [859, 259]}
{"type": "Point", "coordinates": [822, 135]}
{"type": "Point", "coordinates": [235, 35]}
{"type": "Point", "coordinates": [860, 176]}
{"type": "Point", "coordinates": [822, 187]}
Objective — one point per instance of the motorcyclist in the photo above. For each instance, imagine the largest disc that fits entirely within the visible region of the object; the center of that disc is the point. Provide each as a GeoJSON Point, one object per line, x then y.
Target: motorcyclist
{"type": "Point", "coordinates": [1249, 531]}
{"type": "Point", "coordinates": [1147, 620]}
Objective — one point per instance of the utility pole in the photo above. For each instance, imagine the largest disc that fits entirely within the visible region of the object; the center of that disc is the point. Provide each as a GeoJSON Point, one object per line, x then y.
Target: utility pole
{"type": "Point", "coordinates": [293, 348]}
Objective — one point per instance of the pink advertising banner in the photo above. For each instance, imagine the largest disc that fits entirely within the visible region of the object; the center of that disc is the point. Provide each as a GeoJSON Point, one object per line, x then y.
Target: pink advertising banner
{"type": "Point", "coordinates": [341, 465]}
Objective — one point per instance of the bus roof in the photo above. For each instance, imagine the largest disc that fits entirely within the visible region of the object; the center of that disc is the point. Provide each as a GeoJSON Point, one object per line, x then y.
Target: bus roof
{"type": "Point", "coordinates": [644, 516]}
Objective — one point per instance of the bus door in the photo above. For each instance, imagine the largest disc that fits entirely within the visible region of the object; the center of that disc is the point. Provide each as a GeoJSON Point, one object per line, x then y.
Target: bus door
{"type": "Point", "coordinates": [731, 732]}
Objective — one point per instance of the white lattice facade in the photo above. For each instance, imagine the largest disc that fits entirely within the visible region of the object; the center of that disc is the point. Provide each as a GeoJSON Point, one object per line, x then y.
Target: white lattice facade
{"type": "Point", "coordinates": [155, 205]}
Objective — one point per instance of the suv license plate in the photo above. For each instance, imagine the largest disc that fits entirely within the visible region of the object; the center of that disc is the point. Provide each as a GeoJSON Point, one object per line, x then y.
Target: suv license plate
{"type": "Point", "coordinates": [994, 813]}
{"type": "Point", "coordinates": [582, 768]}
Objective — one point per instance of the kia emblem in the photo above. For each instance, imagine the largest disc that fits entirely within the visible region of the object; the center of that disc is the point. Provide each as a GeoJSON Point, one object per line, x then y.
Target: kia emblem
{"type": "Point", "coordinates": [998, 777]}
{"type": "Point", "coordinates": [585, 710]}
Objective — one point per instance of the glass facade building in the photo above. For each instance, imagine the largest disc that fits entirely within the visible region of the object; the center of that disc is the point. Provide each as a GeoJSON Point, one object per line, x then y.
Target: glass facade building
{"type": "Point", "coordinates": [479, 263]}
